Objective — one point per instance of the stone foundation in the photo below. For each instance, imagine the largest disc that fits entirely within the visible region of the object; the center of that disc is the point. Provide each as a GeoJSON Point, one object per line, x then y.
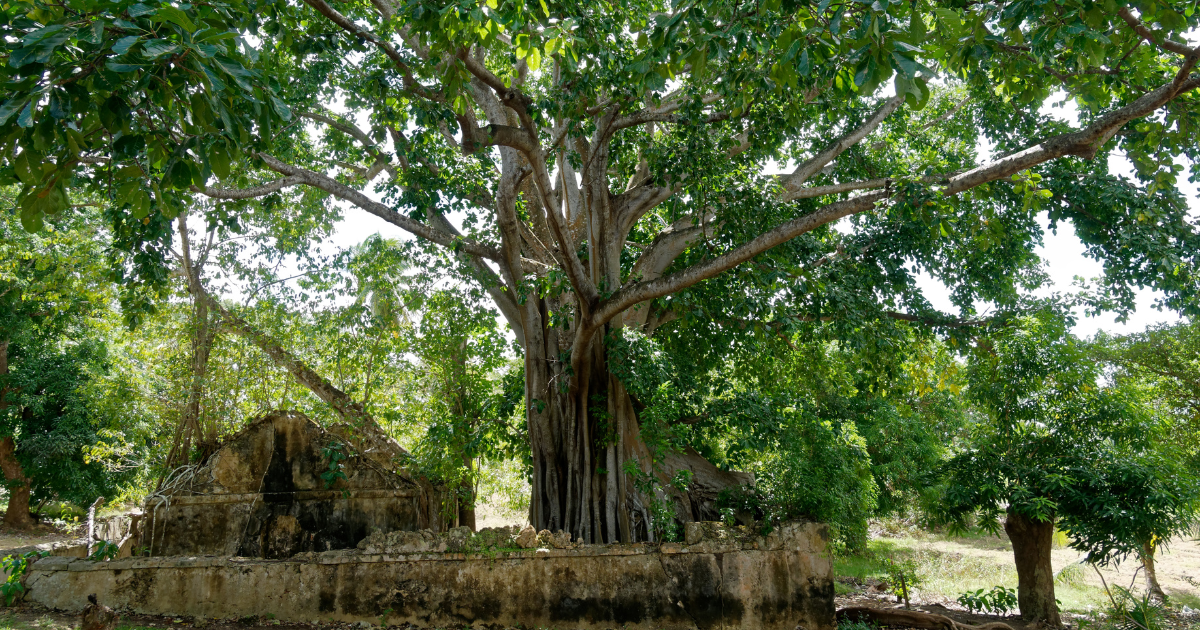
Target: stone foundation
{"type": "Point", "coordinates": [726, 578]}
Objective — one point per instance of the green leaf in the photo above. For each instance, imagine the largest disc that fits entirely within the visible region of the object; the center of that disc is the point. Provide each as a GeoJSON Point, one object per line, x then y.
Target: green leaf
{"type": "Point", "coordinates": [31, 217]}
{"type": "Point", "coordinates": [916, 26]}
{"type": "Point", "coordinates": [281, 108]}
{"type": "Point", "coordinates": [804, 67]}
{"type": "Point", "coordinates": [158, 47]}
{"type": "Point", "coordinates": [218, 159]}
{"type": "Point", "coordinates": [11, 106]}
{"type": "Point", "coordinates": [124, 44]}
{"type": "Point", "coordinates": [36, 37]}
{"type": "Point", "coordinates": [864, 73]}
{"type": "Point", "coordinates": [56, 201]}
{"type": "Point", "coordinates": [208, 51]}
{"type": "Point", "coordinates": [26, 118]}
{"type": "Point", "coordinates": [138, 10]}
{"type": "Point", "coordinates": [545, 9]}
{"type": "Point", "coordinates": [122, 67]}
{"type": "Point", "coordinates": [60, 106]}
{"type": "Point", "coordinates": [25, 169]}
{"type": "Point", "coordinates": [175, 16]}
{"type": "Point", "coordinates": [94, 34]}
{"type": "Point", "coordinates": [904, 64]}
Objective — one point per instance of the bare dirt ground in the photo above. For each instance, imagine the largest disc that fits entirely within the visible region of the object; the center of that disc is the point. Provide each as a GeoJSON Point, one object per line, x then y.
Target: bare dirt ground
{"type": "Point", "coordinates": [42, 533]}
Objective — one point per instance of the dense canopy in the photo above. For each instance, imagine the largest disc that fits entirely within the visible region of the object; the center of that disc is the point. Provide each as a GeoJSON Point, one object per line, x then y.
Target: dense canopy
{"type": "Point", "coordinates": [690, 169]}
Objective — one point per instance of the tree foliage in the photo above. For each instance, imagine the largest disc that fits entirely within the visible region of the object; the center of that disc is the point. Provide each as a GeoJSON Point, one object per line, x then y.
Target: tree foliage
{"type": "Point", "coordinates": [1057, 446]}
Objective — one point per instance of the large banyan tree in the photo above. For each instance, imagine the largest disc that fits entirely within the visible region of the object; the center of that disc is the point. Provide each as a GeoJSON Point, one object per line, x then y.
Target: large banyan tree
{"type": "Point", "coordinates": [606, 168]}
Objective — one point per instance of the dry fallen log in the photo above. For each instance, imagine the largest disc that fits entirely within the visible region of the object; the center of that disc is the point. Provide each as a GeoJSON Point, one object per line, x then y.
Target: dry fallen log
{"type": "Point", "coordinates": [911, 619]}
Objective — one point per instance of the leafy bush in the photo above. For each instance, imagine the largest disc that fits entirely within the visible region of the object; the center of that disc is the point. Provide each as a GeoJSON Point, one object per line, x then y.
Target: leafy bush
{"type": "Point", "coordinates": [1071, 575]}
{"type": "Point", "coordinates": [821, 470]}
{"type": "Point", "coordinates": [999, 600]}
{"type": "Point", "coordinates": [15, 566]}
{"type": "Point", "coordinates": [1129, 612]}
{"type": "Point", "coordinates": [105, 551]}
{"type": "Point", "coordinates": [903, 577]}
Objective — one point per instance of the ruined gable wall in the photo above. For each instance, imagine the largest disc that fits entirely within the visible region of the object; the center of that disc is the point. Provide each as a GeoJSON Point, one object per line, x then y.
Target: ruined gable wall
{"type": "Point", "coordinates": [262, 495]}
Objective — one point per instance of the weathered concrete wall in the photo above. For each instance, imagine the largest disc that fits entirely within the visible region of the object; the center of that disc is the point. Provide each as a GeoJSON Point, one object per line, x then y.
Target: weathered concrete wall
{"type": "Point", "coordinates": [262, 495]}
{"type": "Point", "coordinates": [719, 581]}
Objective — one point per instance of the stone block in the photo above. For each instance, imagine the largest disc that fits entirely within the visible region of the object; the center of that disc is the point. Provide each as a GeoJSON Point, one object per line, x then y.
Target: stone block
{"type": "Point", "coordinates": [713, 584]}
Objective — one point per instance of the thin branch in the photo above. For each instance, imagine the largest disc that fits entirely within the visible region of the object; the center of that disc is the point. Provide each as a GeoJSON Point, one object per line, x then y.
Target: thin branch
{"type": "Point", "coordinates": [410, 83]}
{"type": "Point", "coordinates": [337, 189]}
{"type": "Point", "coordinates": [1159, 41]}
{"type": "Point", "coordinates": [248, 193]}
{"type": "Point", "coordinates": [813, 165]}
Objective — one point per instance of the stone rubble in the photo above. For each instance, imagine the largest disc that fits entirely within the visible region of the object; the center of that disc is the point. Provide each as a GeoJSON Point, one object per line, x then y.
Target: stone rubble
{"type": "Point", "coordinates": [708, 537]}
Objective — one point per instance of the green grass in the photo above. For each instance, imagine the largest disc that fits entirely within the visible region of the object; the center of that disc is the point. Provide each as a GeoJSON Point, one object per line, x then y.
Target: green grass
{"type": "Point", "coordinates": [1191, 600]}
{"type": "Point", "coordinates": [948, 574]}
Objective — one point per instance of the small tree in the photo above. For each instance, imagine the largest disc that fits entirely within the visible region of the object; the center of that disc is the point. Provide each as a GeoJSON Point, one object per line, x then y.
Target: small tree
{"type": "Point", "coordinates": [1055, 449]}
{"type": "Point", "coordinates": [1163, 364]}
{"type": "Point", "coordinates": [49, 284]}
{"type": "Point", "coordinates": [460, 349]}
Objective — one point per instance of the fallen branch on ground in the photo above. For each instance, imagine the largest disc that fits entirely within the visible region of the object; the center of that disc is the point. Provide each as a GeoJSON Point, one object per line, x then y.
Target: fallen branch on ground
{"type": "Point", "coordinates": [911, 619]}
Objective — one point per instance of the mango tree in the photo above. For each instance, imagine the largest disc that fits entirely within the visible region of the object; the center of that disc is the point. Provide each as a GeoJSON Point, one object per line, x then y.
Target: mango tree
{"type": "Point", "coordinates": [1056, 449]}
{"type": "Point", "coordinates": [597, 165]}
{"type": "Point", "coordinates": [50, 285]}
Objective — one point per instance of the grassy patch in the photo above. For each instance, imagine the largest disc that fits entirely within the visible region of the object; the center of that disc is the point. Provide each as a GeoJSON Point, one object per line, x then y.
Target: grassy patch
{"type": "Point", "coordinates": [1184, 598]}
{"type": "Point", "coordinates": [953, 566]}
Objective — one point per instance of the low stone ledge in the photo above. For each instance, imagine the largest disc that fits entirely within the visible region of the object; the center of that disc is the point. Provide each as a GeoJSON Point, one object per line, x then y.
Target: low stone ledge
{"type": "Point", "coordinates": [727, 578]}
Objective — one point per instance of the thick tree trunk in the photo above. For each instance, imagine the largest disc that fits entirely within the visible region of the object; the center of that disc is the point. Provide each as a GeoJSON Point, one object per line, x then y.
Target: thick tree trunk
{"type": "Point", "coordinates": [17, 516]}
{"type": "Point", "coordinates": [594, 475]}
{"type": "Point", "coordinates": [1152, 586]}
{"type": "Point", "coordinates": [1031, 542]}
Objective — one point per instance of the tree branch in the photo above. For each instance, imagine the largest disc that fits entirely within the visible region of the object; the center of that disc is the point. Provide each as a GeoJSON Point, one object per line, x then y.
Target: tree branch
{"type": "Point", "coordinates": [249, 193]}
{"type": "Point", "coordinates": [410, 83]}
{"type": "Point", "coordinates": [337, 189]}
{"type": "Point", "coordinates": [814, 164]}
{"type": "Point", "coordinates": [642, 291]}
{"type": "Point", "coordinates": [1084, 143]}
{"type": "Point", "coordinates": [1162, 43]}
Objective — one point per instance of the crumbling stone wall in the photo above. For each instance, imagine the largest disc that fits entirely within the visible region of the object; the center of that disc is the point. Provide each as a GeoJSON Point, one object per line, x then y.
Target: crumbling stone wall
{"type": "Point", "coordinates": [262, 495]}
{"type": "Point", "coordinates": [719, 577]}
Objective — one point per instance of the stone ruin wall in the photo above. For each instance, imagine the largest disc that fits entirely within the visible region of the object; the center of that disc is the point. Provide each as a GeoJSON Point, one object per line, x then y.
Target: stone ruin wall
{"type": "Point", "coordinates": [720, 577]}
{"type": "Point", "coordinates": [262, 495]}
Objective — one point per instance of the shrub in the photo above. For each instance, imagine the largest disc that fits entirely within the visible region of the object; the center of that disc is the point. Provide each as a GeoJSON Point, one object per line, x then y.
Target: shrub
{"type": "Point", "coordinates": [999, 600]}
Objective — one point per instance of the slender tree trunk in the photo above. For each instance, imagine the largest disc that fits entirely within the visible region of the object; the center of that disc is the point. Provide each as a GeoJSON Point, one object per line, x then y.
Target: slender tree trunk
{"type": "Point", "coordinates": [1152, 586]}
{"type": "Point", "coordinates": [17, 516]}
{"type": "Point", "coordinates": [456, 389]}
{"type": "Point", "coordinates": [203, 335]}
{"type": "Point", "coordinates": [466, 506]}
{"type": "Point", "coordinates": [1032, 541]}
